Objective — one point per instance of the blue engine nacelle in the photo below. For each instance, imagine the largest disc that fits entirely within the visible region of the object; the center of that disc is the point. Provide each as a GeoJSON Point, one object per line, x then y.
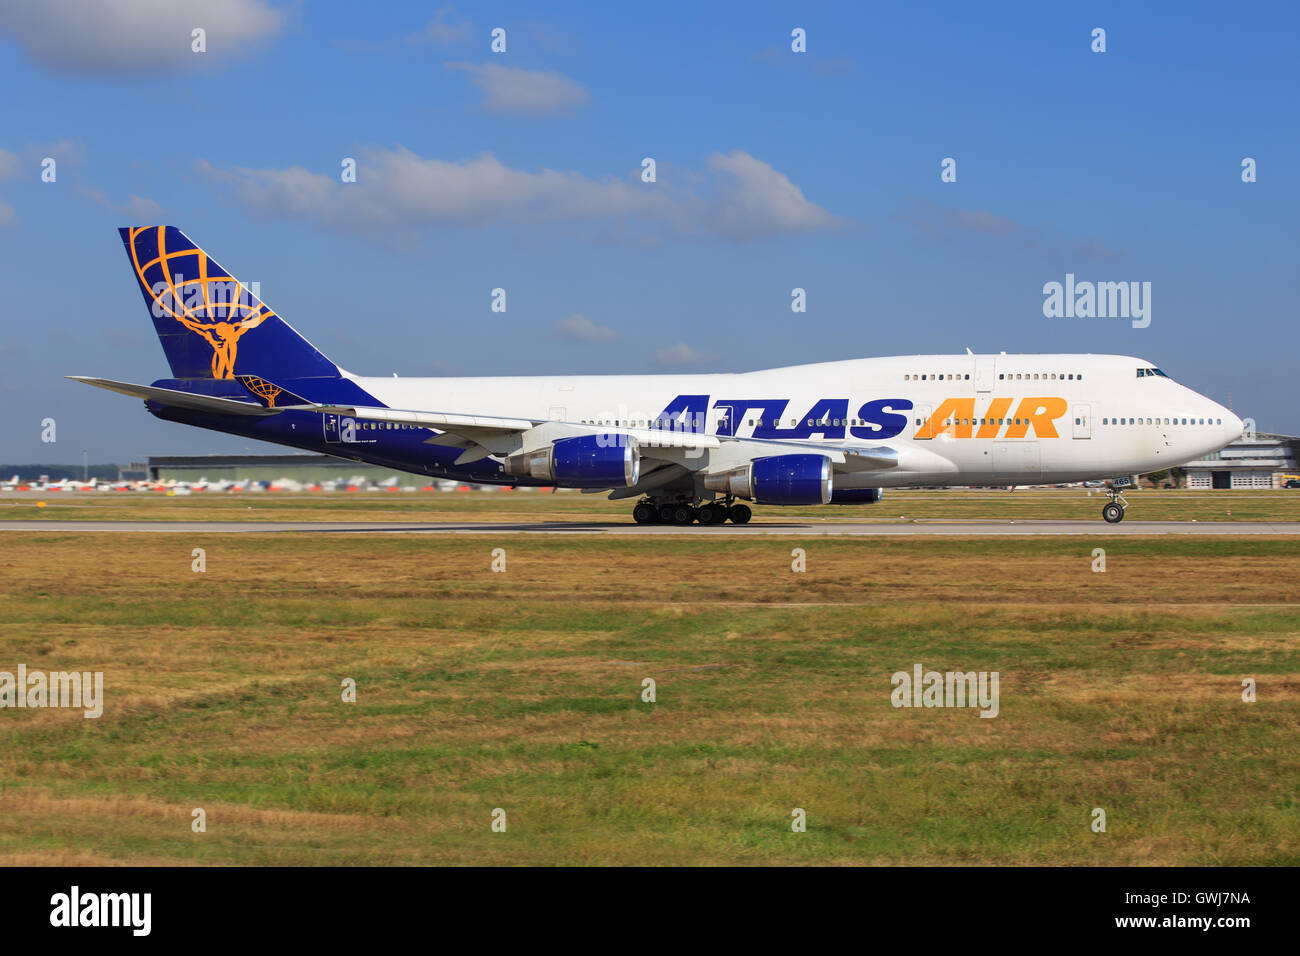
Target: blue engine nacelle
{"type": "Point", "coordinates": [780, 480]}
{"type": "Point", "coordinates": [857, 496]}
{"type": "Point", "coordinates": [588, 461]}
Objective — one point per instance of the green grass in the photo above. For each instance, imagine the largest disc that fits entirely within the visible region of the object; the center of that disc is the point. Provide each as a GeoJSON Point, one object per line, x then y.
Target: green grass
{"type": "Point", "coordinates": [522, 691]}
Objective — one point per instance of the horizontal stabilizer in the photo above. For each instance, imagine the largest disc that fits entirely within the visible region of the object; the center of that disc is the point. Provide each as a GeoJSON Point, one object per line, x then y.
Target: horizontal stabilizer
{"type": "Point", "coordinates": [178, 399]}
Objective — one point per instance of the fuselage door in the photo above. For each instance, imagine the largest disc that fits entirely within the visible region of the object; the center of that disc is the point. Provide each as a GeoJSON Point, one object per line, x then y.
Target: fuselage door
{"type": "Point", "coordinates": [920, 415]}
{"type": "Point", "coordinates": [1082, 415]}
{"type": "Point", "coordinates": [984, 366]}
{"type": "Point", "coordinates": [722, 416]}
{"type": "Point", "coordinates": [331, 423]}
{"type": "Point", "coordinates": [1017, 462]}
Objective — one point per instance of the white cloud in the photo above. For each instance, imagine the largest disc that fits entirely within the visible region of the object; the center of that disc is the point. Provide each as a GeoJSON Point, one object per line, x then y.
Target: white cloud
{"type": "Point", "coordinates": [507, 89]}
{"type": "Point", "coordinates": [68, 153]}
{"type": "Point", "coordinates": [135, 36]}
{"type": "Point", "coordinates": [442, 31]}
{"type": "Point", "coordinates": [757, 200]}
{"type": "Point", "coordinates": [680, 355]}
{"type": "Point", "coordinates": [581, 329]}
{"type": "Point", "coordinates": [137, 208]}
{"type": "Point", "coordinates": [398, 191]}
{"type": "Point", "coordinates": [933, 220]}
{"type": "Point", "coordinates": [141, 209]}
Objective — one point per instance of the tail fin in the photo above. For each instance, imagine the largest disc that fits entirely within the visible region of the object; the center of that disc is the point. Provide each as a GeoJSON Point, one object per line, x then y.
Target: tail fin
{"type": "Point", "coordinates": [210, 324]}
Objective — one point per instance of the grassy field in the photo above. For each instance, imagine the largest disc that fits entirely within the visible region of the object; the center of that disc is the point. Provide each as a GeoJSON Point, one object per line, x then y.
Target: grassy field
{"type": "Point", "coordinates": [512, 506]}
{"type": "Point", "coordinates": [521, 690]}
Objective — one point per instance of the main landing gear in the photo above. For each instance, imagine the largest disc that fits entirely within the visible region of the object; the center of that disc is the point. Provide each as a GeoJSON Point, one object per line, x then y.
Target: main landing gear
{"type": "Point", "coordinates": [683, 512]}
{"type": "Point", "coordinates": [1114, 510]}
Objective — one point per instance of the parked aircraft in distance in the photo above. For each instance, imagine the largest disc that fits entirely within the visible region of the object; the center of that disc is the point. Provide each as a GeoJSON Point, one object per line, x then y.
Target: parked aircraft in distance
{"type": "Point", "coordinates": [687, 447]}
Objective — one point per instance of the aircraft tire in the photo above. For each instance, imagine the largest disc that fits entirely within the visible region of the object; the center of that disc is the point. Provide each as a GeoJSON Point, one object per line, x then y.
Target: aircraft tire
{"type": "Point", "coordinates": [710, 514]}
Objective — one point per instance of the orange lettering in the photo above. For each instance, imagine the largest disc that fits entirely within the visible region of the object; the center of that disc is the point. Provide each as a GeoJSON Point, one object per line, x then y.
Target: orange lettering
{"type": "Point", "coordinates": [959, 410]}
{"type": "Point", "coordinates": [1041, 413]}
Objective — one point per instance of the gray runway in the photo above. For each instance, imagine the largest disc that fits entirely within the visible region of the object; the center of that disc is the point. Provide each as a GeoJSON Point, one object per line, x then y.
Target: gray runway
{"type": "Point", "coordinates": [800, 528]}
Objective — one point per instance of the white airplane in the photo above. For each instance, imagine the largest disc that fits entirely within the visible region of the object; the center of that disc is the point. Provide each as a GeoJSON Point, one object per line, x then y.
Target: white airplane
{"type": "Point", "coordinates": [686, 447]}
{"type": "Point", "coordinates": [70, 484]}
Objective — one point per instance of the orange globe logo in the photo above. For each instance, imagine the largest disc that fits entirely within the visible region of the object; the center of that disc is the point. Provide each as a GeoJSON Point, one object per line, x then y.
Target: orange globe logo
{"type": "Point", "coordinates": [188, 286]}
{"type": "Point", "coordinates": [268, 391]}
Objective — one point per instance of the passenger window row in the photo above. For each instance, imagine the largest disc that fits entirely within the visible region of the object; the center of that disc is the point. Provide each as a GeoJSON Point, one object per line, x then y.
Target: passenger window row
{"type": "Point", "coordinates": [1044, 376]}
{"type": "Point", "coordinates": [1158, 421]}
{"type": "Point", "coordinates": [951, 422]}
{"type": "Point", "coordinates": [1002, 376]}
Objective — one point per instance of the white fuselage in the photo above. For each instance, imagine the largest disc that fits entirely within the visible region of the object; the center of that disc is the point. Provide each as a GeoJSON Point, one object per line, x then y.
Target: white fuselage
{"type": "Point", "coordinates": [953, 419]}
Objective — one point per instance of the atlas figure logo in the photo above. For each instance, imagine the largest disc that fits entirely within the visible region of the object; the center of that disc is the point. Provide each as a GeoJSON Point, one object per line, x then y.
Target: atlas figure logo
{"type": "Point", "coordinates": [212, 304]}
{"type": "Point", "coordinates": [876, 420]}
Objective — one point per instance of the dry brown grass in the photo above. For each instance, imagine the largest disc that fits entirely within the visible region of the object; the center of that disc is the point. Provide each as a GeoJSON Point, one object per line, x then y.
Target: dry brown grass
{"type": "Point", "coordinates": [521, 690]}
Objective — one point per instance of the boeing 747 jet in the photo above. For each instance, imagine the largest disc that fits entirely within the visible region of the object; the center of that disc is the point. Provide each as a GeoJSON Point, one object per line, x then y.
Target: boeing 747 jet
{"type": "Point", "coordinates": [685, 448]}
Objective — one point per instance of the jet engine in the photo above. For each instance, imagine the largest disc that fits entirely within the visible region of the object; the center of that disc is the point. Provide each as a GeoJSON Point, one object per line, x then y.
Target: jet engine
{"type": "Point", "coordinates": [588, 461]}
{"type": "Point", "coordinates": [779, 480]}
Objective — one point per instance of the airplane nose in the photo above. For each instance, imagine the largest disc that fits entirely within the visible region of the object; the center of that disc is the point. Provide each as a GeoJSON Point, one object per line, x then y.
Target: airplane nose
{"type": "Point", "coordinates": [1233, 427]}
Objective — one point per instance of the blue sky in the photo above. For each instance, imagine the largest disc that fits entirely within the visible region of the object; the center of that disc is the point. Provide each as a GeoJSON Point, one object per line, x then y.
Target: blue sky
{"type": "Point", "coordinates": [520, 170]}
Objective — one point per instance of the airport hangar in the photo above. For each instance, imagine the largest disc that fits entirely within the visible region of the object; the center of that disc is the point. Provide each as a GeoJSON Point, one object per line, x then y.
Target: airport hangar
{"type": "Point", "coordinates": [1257, 460]}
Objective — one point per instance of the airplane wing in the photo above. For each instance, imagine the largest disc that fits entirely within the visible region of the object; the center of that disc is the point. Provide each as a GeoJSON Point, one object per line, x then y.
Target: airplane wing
{"type": "Point", "coordinates": [469, 426]}
{"type": "Point", "coordinates": [484, 435]}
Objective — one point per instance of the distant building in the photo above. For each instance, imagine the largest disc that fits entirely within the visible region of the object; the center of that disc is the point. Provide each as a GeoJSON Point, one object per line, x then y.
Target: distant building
{"type": "Point", "coordinates": [1257, 461]}
{"type": "Point", "coordinates": [307, 469]}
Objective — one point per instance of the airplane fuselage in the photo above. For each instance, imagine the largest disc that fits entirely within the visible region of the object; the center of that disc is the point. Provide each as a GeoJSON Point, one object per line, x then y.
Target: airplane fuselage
{"type": "Point", "coordinates": [954, 419]}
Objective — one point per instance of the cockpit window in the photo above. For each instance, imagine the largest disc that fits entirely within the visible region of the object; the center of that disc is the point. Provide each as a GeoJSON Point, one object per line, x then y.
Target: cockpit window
{"type": "Point", "coordinates": [1142, 372]}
